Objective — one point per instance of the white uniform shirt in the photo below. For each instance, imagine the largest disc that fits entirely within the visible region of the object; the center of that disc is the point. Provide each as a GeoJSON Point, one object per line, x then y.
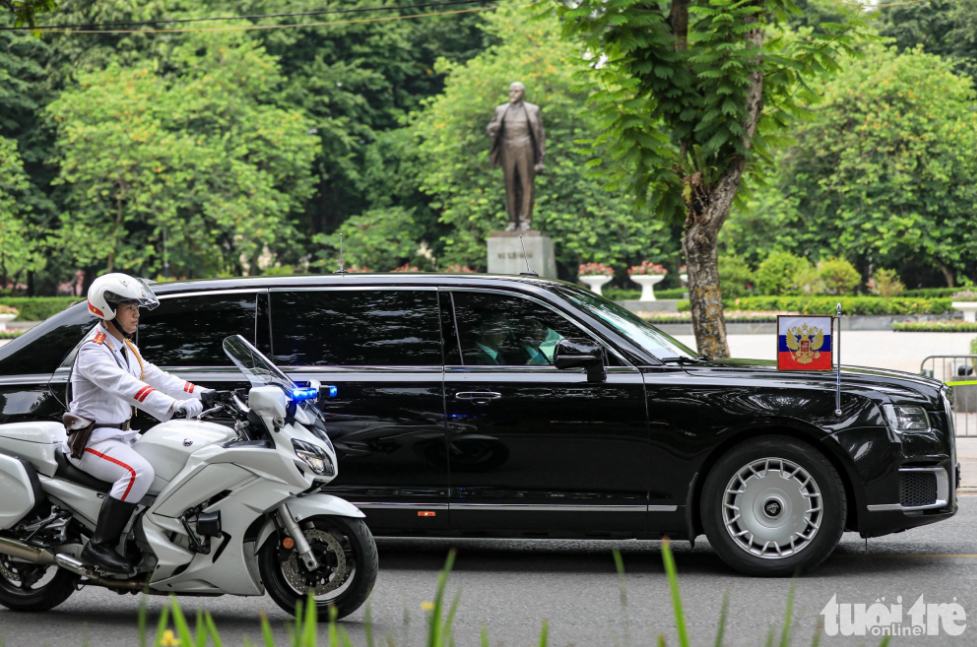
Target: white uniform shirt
{"type": "Point", "coordinates": [105, 387]}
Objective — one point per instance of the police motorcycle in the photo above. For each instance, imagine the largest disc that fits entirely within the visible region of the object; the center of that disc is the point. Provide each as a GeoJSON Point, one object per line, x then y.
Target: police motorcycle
{"type": "Point", "coordinates": [234, 509]}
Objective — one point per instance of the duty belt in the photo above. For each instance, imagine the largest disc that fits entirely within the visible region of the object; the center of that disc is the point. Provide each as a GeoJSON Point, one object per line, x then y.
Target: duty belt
{"type": "Point", "coordinates": [124, 426]}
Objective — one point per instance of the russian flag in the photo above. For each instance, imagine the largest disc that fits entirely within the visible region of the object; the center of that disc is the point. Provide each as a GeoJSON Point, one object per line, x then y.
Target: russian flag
{"type": "Point", "coordinates": [804, 343]}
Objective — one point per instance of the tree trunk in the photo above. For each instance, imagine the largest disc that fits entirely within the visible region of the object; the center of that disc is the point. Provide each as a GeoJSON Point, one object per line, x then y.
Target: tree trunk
{"type": "Point", "coordinates": [708, 208]}
{"type": "Point", "coordinates": [947, 273]}
{"type": "Point", "coordinates": [708, 323]}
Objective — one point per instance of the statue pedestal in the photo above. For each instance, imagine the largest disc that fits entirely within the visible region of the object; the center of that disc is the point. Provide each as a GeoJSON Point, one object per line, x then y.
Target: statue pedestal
{"type": "Point", "coordinates": [505, 253]}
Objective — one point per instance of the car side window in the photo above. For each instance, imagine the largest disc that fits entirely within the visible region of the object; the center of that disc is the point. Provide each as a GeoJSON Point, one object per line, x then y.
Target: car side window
{"type": "Point", "coordinates": [190, 330]}
{"type": "Point", "coordinates": [502, 330]}
{"type": "Point", "coordinates": [395, 327]}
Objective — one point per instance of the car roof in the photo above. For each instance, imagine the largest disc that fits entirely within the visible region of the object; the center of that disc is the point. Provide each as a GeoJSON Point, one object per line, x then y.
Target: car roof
{"type": "Point", "coordinates": [359, 279]}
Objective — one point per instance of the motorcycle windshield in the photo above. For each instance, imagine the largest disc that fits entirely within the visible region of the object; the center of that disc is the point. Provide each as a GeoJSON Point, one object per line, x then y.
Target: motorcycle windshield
{"type": "Point", "coordinates": [259, 370]}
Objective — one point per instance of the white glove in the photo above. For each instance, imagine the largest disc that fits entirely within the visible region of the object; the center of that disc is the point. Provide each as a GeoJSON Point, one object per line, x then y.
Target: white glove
{"type": "Point", "coordinates": [191, 407]}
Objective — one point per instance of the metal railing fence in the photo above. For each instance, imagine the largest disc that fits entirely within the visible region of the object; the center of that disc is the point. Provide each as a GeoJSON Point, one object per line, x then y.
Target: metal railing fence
{"type": "Point", "coordinates": [957, 368]}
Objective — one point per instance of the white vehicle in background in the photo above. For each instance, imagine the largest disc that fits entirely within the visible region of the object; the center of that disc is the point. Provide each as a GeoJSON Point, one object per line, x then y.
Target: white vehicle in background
{"type": "Point", "coordinates": [234, 509]}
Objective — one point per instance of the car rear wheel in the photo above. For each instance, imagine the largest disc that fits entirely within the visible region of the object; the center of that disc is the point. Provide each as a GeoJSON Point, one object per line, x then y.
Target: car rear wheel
{"type": "Point", "coordinates": [774, 506]}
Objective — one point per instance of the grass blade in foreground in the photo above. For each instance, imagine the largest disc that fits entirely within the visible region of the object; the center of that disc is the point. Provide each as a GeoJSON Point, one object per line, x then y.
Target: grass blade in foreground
{"type": "Point", "coordinates": [683, 637]}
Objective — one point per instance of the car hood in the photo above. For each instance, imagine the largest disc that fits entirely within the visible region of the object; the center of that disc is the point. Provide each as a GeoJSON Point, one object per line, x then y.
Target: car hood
{"type": "Point", "coordinates": [898, 385]}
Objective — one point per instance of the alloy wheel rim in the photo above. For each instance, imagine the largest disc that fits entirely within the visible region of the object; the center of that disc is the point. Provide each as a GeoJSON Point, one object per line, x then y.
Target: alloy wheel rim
{"type": "Point", "coordinates": [772, 508]}
{"type": "Point", "coordinates": [335, 565]}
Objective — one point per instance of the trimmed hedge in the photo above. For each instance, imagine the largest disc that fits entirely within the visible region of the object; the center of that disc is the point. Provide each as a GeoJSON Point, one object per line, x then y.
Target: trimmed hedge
{"type": "Point", "coordinates": [38, 308]}
{"type": "Point", "coordinates": [931, 293]}
{"type": "Point", "coordinates": [617, 294]}
{"type": "Point", "coordinates": [849, 305]}
{"type": "Point", "coordinates": [826, 305]}
{"type": "Point", "coordinates": [949, 325]}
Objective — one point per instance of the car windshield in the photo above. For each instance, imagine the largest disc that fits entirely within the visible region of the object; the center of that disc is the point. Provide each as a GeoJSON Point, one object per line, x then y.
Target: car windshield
{"type": "Point", "coordinates": [636, 329]}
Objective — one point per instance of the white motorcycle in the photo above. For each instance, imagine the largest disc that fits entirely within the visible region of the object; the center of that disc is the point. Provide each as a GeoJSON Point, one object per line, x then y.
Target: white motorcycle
{"type": "Point", "coordinates": [233, 509]}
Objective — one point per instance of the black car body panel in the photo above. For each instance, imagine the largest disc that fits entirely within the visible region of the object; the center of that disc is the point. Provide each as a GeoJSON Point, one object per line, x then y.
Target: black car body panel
{"type": "Point", "coordinates": [431, 444]}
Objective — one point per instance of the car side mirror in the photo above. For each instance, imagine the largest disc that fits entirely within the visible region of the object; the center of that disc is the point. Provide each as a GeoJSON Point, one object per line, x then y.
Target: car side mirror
{"type": "Point", "coordinates": [568, 354]}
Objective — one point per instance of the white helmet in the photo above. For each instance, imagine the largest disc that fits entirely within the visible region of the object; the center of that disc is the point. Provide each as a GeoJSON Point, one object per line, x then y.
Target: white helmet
{"type": "Point", "coordinates": [109, 291]}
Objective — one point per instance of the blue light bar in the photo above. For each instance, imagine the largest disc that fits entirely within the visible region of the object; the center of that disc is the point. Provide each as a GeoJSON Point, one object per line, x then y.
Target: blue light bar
{"type": "Point", "coordinates": [333, 392]}
{"type": "Point", "coordinates": [304, 393]}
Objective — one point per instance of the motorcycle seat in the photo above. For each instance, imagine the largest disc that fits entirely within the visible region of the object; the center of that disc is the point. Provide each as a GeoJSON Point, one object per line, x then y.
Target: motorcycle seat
{"type": "Point", "coordinates": [69, 472]}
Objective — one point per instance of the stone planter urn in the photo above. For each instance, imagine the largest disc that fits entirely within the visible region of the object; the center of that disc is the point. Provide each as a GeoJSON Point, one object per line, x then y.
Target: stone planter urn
{"type": "Point", "coordinates": [647, 283]}
{"type": "Point", "coordinates": [595, 282]}
{"type": "Point", "coordinates": [5, 319]}
{"type": "Point", "coordinates": [968, 308]}
{"type": "Point", "coordinates": [685, 279]}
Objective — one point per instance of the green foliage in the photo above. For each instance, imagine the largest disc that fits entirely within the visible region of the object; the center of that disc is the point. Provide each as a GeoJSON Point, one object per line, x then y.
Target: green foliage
{"type": "Point", "coordinates": [973, 346]}
{"type": "Point", "coordinates": [947, 28]}
{"type": "Point", "coordinates": [25, 12]}
{"type": "Point", "coordinates": [618, 294]}
{"type": "Point", "coordinates": [882, 173]}
{"type": "Point", "coordinates": [946, 325]}
{"type": "Point", "coordinates": [590, 223]}
{"type": "Point", "coordinates": [676, 107]}
{"type": "Point", "coordinates": [38, 308]}
{"type": "Point", "coordinates": [838, 275]}
{"type": "Point", "coordinates": [778, 273]}
{"type": "Point", "coordinates": [18, 252]}
{"type": "Point", "coordinates": [930, 293]}
{"type": "Point", "coordinates": [191, 146]}
{"type": "Point", "coordinates": [735, 276]}
{"type": "Point", "coordinates": [382, 239]}
{"type": "Point", "coordinates": [849, 305]}
{"type": "Point", "coordinates": [886, 283]}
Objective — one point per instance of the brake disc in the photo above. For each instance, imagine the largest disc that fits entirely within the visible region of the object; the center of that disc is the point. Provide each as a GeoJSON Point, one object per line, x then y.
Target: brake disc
{"type": "Point", "coordinates": [324, 579]}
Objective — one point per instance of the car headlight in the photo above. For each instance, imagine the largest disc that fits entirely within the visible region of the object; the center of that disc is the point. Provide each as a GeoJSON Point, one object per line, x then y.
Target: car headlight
{"type": "Point", "coordinates": [906, 418]}
{"type": "Point", "coordinates": [315, 457]}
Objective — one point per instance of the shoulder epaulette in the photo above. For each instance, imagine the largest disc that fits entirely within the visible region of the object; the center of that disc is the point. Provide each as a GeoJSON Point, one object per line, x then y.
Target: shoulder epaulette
{"type": "Point", "coordinates": [99, 338]}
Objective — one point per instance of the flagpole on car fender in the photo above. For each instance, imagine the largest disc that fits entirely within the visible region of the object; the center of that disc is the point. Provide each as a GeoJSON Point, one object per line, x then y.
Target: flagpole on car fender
{"type": "Point", "coordinates": [838, 383]}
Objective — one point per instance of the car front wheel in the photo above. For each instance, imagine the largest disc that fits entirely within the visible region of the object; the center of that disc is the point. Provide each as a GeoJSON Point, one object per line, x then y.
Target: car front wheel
{"type": "Point", "coordinates": [774, 506]}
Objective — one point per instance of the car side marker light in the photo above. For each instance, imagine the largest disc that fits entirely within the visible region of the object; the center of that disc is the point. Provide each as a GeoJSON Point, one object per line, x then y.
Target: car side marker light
{"type": "Point", "coordinates": [427, 513]}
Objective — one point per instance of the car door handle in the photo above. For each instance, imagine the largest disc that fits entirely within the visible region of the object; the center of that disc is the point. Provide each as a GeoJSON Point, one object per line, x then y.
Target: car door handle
{"type": "Point", "coordinates": [477, 395]}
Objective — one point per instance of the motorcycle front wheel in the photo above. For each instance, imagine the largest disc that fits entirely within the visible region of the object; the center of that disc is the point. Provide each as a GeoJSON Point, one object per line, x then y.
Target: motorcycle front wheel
{"type": "Point", "coordinates": [348, 564]}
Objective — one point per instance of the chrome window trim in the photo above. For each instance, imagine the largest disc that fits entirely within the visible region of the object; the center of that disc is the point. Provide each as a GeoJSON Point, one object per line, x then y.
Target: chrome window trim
{"type": "Point", "coordinates": [559, 507]}
{"type": "Point", "coordinates": [942, 492]}
{"type": "Point", "coordinates": [358, 288]}
{"type": "Point", "coordinates": [202, 293]}
{"type": "Point", "coordinates": [328, 368]}
{"type": "Point", "coordinates": [537, 301]}
{"type": "Point", "coordinates": [514, 507]}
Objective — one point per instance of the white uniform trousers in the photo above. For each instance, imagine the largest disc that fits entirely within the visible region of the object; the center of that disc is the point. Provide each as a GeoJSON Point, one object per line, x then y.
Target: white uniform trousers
{"type": "Point", "coordinates": [115, 461]}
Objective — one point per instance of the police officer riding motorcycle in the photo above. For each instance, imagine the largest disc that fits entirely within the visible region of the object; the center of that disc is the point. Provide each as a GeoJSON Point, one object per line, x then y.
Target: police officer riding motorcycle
{"type": "Point", "coordinates": [109, 380]}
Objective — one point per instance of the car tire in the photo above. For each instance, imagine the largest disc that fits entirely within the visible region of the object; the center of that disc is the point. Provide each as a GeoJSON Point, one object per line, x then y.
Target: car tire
{"type": "Point", "coordinates": [773, 507]}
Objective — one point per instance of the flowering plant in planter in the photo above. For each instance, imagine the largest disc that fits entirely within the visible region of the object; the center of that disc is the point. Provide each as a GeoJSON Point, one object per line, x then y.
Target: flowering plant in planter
{"type": "Point", "coordinates": [647, 268]}
{"type": "Point", "coordinates": [8, 310]}
{"type": "Point", "coordinates": [357, 269]}
{"type": "Point", "coordinates": [595, 269]}
{"type": "Point", "coordinates": [964, 296]}
{"type": "Point", "coordinates": [458, 269]}
{"type": "Point", "coordinates": [406, 267]}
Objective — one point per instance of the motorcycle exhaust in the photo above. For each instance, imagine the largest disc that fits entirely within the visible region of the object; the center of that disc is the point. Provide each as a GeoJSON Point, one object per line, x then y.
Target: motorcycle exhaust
{"type": "Point", "coordinates": [35, 555]}
{"type": "Point", "coordinates": [25, 552]}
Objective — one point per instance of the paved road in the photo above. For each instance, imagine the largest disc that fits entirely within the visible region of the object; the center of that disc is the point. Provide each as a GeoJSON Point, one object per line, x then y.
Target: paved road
{"type": "Point", "coordinates": [510, 586]}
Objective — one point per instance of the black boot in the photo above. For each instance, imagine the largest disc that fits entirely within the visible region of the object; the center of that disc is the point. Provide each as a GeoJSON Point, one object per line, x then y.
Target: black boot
{"type": "Point", "coordinates": [100, 551]}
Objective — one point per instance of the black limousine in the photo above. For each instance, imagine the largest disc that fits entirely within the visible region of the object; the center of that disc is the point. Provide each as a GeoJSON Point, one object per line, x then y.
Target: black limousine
{"type": "Point", "coordinates": [501, 406]}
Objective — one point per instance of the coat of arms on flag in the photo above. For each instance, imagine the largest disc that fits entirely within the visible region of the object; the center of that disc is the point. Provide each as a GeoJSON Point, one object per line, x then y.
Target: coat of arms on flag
{"type": "Point", "coordinates": [803, 343]}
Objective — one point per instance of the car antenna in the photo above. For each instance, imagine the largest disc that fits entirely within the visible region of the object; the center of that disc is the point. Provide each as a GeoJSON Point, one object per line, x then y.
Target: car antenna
{"type": "Point", "coordinates": [529, 271]}
{"type": "Point", "coordinates": [342, 269]}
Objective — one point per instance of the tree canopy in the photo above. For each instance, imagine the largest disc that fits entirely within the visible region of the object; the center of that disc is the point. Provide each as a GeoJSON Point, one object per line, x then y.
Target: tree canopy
{"type": "Point", "coordinates": [694, 94]}
{"type": "Point", "coordinates": [191, 146]}
{"type": "Point", "coordinates": [883, 173]}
